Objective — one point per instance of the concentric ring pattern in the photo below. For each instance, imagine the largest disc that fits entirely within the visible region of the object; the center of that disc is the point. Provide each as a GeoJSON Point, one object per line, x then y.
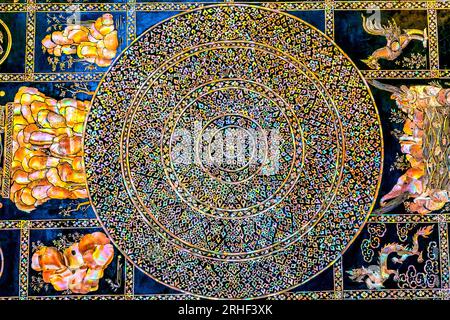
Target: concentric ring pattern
{"type": "Point", "coordinates": [298, 195]}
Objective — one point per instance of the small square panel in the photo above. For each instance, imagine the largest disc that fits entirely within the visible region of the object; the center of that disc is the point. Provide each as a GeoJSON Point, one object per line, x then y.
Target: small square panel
{"type": "Point", "coordinates": [111, 283]}
{"type": "Point", "coordinates": [393, 256]}
{"type": "Point", "coordinates": [360, 44]}
{"type": "Point", "coordinates": [61, 47]}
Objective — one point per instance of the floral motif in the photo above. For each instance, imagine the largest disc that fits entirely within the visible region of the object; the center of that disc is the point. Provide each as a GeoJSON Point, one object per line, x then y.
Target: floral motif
{"type": "Point", "coordinates": [47, 151]}
{"type": "Point", "coordinates": [95, 42]}
{"type": "Point", "coordinates": [79, 268]}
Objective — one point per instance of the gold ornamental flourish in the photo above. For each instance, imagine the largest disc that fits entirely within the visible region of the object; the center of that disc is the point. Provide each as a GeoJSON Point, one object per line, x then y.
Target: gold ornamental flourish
{"type": "Point", "coordinates": [8, 39]}
{"type": "Point", "coordinates": [2, 262]}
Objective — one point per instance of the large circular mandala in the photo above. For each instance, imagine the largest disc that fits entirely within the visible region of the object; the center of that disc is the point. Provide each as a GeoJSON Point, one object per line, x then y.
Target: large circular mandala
{"type": "Point", "coordinates": [215, 222]}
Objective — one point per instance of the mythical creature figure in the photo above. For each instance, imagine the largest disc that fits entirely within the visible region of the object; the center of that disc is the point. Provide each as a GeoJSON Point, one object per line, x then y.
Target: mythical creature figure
{"type": "Point", "coordinates": [425, 141]}
{"type": "Point", "coordinates": [375, 275]}
{"type": "Point", "coordinates": [79, 268]}
{"type": "Point", "coordinates": [396, 40]}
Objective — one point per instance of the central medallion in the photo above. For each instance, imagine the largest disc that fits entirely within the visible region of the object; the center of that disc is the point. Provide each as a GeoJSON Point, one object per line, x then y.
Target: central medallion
{"type": "Point", "coordinates": [242, 152]}
{"type": "Point", "coordinates": [232, 148]}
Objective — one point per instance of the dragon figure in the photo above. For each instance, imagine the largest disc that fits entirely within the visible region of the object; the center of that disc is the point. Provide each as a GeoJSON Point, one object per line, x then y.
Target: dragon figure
{"type": "Point", "coordinates": [375, 275]}
{"type": "Point", "coordinates": [396, 40]}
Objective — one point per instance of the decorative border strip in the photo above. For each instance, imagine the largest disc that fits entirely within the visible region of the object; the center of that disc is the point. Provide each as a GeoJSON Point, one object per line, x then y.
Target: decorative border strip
{"type": "Point", "coordinates": [90, 7]}
{"type": "Point", "coordinates": [30, 41]}
{"type": "Point", "coordinates": [338, 279]}
{"type": "Point", "coordinates": [167, 6]}
{"type": "Point", "coordinates": [366, 294]}
{"type": "Point", "coordinates": [24, 259]}
{"type": "Point", "coordinates": [65, 224]}
{"type": "Point", "coordinates": [433, 45]}
{"type": "Point", "coordinates": [407, 218]}
{"type": "Point", "coordinates": [382, 5]}
{"type": "Point", "coordinates": [397, 74]}
{"type": "Point", "coordinates": [444, 255]}
{"type": "Point", "coordinates": [129, 279]}
{"type": "Point", "coordinates": [395, 294]}
{"type": "Point", "coordinates": [12, 77]}
{"type": "Point", "coordinates": [7, 151]}
{"type": "Point", "coordinates": [68, 77]}
{"type": "Point", "coordinates": [329, 18]}
{"type": "Point", "coordinates": [116, 297]}
{"type": "Point", "coordinates": [170, 6]}
{"type": "Point", "coordinates": [131, 21]}
{"type": "Point", "coordinates": [10, 224]}
{"type": "Point", "coordinates": [13, 7]}
{"type": "Point", "coordinates": [51, 77]}
{"type": "Point", "coordinates": [304, 295]}
{"type": "Point", "coordinates": [293, 6]}
{"type": "Point", "coordinates": [441, 4]}
{"type": "Point", "coordinates": [9, 298]}
{"type": "Point", "coordinates": [50, 224]}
